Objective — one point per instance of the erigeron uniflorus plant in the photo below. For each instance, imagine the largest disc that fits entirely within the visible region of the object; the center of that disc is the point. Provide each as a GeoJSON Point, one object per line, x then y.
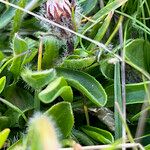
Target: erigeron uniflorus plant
{"type": "Point", "coordinates": [64, 13]}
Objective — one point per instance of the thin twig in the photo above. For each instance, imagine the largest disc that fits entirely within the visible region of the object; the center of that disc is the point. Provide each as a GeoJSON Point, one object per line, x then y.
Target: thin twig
{"type": "Point", "coordinates": [87, 18]}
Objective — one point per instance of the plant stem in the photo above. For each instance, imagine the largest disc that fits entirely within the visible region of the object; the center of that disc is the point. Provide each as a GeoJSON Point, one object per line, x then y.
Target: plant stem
{"type": "Point", "coordinates": [86, 111]}
{"type": "Point", "coordinates": [86, 115]}
{"type": "Point", "coordinates": [115, 30]}
{"type": "Point", "coordinates": [40, 55]}
{"type": "Point", "coordinates": [36, 101]}
{"type": "Point", "coordinates": [39, 68]}
{"type": "Point", "coordinates": [123, 77]}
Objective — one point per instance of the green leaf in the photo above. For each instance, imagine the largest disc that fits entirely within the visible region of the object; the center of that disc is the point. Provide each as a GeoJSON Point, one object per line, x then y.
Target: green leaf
{"type": "Point", "coordinates": [63, 116]}
{"type": "Point", "coordinates": [19, 101]}
{"type": "Point", "coordinates": [2, 83]}
{"type": "Point", "coordinates": [137, 116]}
{"type": "Point", "coordinates": [86, 84]}
{"type": "Point", "coordinates": [75, 62]}
{"type": "Point", "coordinates": [88, 6]}
{"type": "Point", "coordinates": [32, 46]}
{"type": "Point", "coordinates": [99, 135]}
{"type": "Point", "coordinates": [58, 87]}
{"type": "Point", "coordinates": [18, 17]}
{"type": "Point", "coordinates": [81, 52]}
{"type": "Point", "coordinates": [82, 137]}
{"type": "Point", "coordinates": [19, 46]}
{"type": "Point", "coordinates": [17, 145]}
{"type": "Point", "coordinates": [4, 122]}
{"type": "Point", "coordinates": [51, 52]}
{"type": "Point", "coordinates": [14, 119]}
{"type": "Point", "coordinates": [101, 31]}
{"type": "Point", "coordinates": [30, 56]}
{"type": "Point", "coordinates": [118, 99]}
{"type": "Point", "coordinates": [135, 94]}
{"type": "Point", "coordinates": [19, 97]}
{"type": "Point", "coordinates": [14, 108]}
{"type": "Point", "coordinates": [104, 11]}
{"type": "Point", "coordinates": [1, 56]}
{"type": "Point", "coordinates": [38, 79]}
{"type": "Point", "coordinates": [139, 48]}
{"type": "Point", "coordinates": [107, 69]}
{"type": "Point", "coordinates": [6, 17]}
{"type": "Point", "coordinates": [147, 147]}
{"type": "Point", "coordinates": [3, 137]}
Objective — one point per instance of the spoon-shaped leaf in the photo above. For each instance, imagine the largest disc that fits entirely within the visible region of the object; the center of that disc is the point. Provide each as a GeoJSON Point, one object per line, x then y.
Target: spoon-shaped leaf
{"type": "Point", "coordinates": [86, 84]}
{"type": "Point", "coordinates": [63, 116]}
{"type": "Point", "coordinates": [58, 87]}
{"type": "Point", "coordinates": [38, 79]}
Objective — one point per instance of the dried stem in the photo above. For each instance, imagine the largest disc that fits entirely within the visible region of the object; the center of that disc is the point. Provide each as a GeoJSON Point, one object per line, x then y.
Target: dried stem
{"type": "Point", "coordinates": [123, 81]}
{"type": "Point", "coordinates": [40, 55]}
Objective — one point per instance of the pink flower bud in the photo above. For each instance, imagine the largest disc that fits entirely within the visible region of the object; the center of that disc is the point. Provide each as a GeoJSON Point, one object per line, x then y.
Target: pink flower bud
{"type": "Point", "coordinates": [58, 9]}
{"type": "Point", "coordinates": [62, 12]}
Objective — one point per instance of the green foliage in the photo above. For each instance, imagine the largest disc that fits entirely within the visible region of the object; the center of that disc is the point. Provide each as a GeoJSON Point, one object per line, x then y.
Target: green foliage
{"type": "Point", "coordinates": [135, 94]}
{"type": "Point", "coordinates": [73, 80]}
{"type": "Point", "coordinates": [19, 47]}
{"type": "Point", "coordinates": [77, 62]}
{"type": "Point", "coordinates": [86, 84]}
{"type": "Point", "coordinates": [98, 134]}
{"type": "Point", "coordinates": [147, 147]}
{"type": "Point", "coordinates": [3, 136]}
{"type": "Point", "coordinates": [7, 15]}
{"type": "Point", "coordinates": [18, 17]}
{"type": "Point", "coordinates": [88, 7]}
{"type": "Point", "coordinates": [139, 48]}
{"type": "Point", "coordinates": [63, 116]}
{"type": "Point", "coordinates": [56, 88]}
{"type": "Point", "coordinates": [82, 137]}
{"type": "Point", "coordinates": [16, 146]}
{"type": "Point", "coordinates": [2, 83]}
{"type": "Point", "coordinates": [51, 52]}
{"type": "Point", "coordinates": [38, 79]}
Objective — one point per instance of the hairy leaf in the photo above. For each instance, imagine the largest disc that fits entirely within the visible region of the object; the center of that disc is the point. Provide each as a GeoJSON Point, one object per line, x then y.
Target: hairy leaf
{"type": "Point", "coordinates": [63, 116]}
{"type": "Point", "coordinates": [86, 84]}
{"type": "Point", "coordinates": [58, 87]}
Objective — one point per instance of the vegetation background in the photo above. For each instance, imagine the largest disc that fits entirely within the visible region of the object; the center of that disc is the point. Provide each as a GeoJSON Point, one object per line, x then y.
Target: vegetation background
{"type": "Point", "coordinates": [80, 69]}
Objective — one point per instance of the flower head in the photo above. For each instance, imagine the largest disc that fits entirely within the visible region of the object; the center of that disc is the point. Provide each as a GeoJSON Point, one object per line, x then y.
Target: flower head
{"type": "Point", "coordinates": [62, 12]}
{"type": "Point", "coordinates": [59, 11]}
{"type": "Point", "coordinates": [56, 9]}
